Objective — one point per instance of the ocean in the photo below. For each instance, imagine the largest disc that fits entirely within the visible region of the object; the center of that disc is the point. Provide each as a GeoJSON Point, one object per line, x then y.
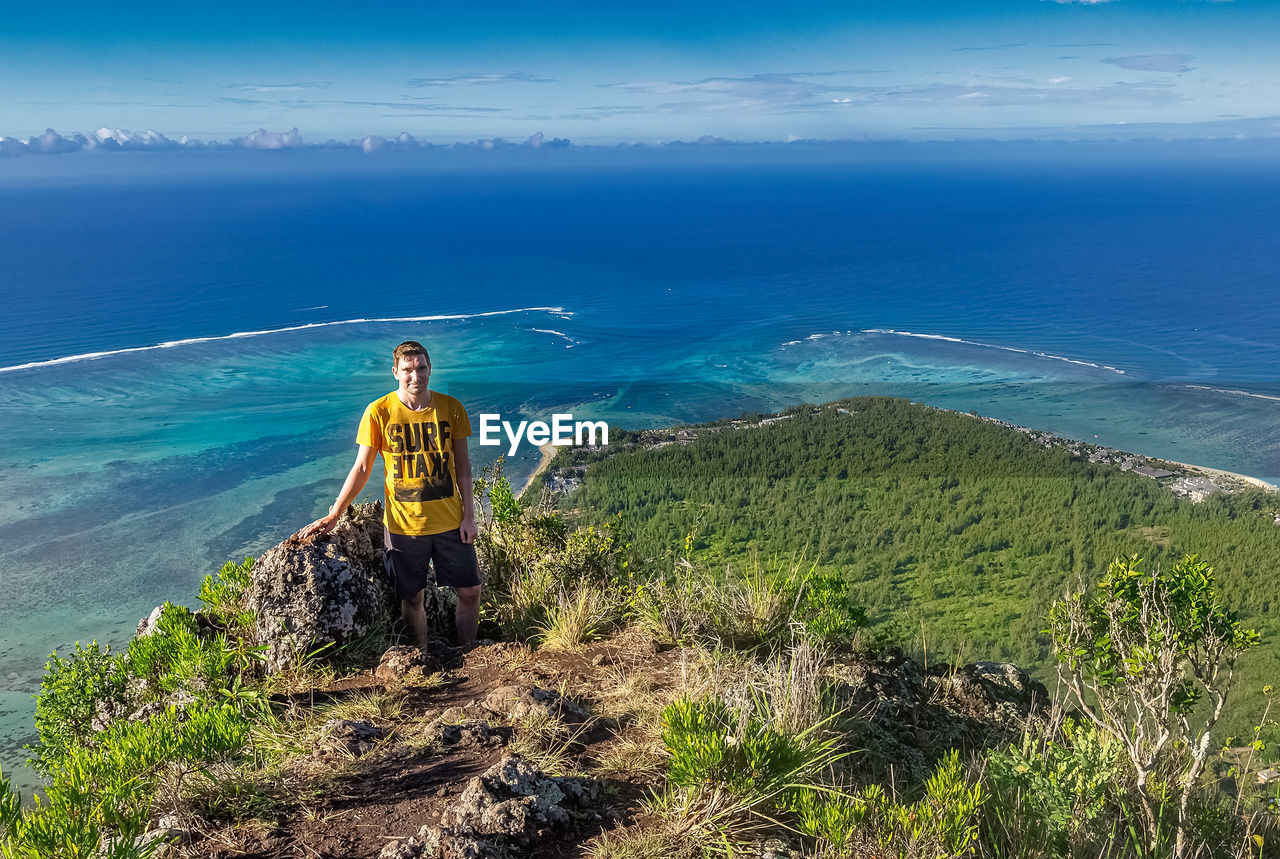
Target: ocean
{"type": "Point", "coordinates": [186, 345]}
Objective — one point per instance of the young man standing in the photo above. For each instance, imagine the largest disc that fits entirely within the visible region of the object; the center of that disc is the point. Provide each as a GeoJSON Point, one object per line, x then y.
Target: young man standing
{"type": "Point", "coordinates": [429, 509]}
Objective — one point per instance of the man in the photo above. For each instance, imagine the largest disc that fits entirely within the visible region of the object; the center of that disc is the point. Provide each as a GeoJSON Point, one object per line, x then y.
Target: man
{"type": "Point", "coordinates": [429, 513]}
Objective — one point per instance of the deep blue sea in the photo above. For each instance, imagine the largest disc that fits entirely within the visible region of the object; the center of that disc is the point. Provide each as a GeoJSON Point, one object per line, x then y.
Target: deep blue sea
{"type": "Point", "coordinates": [187, 347]}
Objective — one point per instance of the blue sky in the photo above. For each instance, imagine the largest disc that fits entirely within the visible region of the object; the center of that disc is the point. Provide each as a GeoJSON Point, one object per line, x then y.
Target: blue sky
{"type": "Point", "coordinates": [605, 73]}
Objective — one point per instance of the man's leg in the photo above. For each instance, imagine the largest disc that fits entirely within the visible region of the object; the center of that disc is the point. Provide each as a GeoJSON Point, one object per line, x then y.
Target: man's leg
{"type": "Point", "coordinates": [406, 560]}
{"type": "Point", "coordinates": [467, 615]}
{"type": "Point", "coordinates": [415, 614]}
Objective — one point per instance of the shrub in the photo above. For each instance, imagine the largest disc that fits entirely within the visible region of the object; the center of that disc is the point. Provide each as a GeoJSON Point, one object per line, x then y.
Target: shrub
{"type": "Point", "coordinates": [531, 559]}
{"type": "Point", "coordinates": [1046, 794]}
{"type": "Point", "coordinates": [90, 683]}
{"type": "Point", "coordinates": [942, 823]}
{"type": "Point", "coordinates": [10, 806]}
{"type": "Point", "coordinates": [828, 609]}
{"type": "Point", "coordinates": [176, 656]}
{"type": "Point", "coordinates": [831, 820]}
{"type": "Point", "coordinates": [99, 796]}
{"type": "Point", "coordinates": [730, 771]}
{"type": "Point", "coordinates": [223, 596]}
{"type": "Point", "coordinates": [1139, 654]}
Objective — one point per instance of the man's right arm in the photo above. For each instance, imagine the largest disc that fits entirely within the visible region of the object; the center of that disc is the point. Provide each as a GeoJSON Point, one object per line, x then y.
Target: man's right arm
{"type": "Point", "coordinates": [357, 477]}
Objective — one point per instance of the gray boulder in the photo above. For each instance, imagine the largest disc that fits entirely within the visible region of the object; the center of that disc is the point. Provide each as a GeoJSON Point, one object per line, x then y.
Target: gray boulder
{"type": "Point", "coordinates": [329, 590]}
{"type": "Point", "coordinates": [517, 703]}
{"type": "Point", "coordinates": [403, 662]}
{"type": "Point", "coordinates": [511, 805]}
{"type": "Point", "coordinates": [347, 738]}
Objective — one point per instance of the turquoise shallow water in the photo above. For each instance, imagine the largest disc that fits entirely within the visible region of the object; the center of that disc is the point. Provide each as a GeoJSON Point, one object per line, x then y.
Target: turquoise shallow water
{"type": "Point", "coordinates": [1120, 308]}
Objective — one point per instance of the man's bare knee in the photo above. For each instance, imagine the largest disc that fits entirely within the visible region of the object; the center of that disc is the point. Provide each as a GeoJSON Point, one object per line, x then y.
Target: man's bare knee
{"type": "Point", "coordinates": [468, 595]}
{"type": "Point", "coordinates": [412, 603]}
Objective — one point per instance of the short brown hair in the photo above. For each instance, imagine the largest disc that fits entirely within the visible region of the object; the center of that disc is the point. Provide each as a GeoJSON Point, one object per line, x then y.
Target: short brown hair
{"type": "Point", "coordinates": [409, 348]}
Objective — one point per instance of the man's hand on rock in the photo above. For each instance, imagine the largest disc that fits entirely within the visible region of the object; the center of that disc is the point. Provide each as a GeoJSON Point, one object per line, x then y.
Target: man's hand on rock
{"type": "Point", "coordinates": [467, 529]}
{"type": "Point", "coordinates": [320, 526]}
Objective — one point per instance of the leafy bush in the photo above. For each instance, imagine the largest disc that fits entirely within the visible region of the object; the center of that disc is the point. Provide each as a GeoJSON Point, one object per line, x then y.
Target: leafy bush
{"type": "Point", "coordinates": [102, 770]}
{"type": "Point", "coordinates": [730, 770]}
{"type": "Point", "coordinates": [1138, 654]}
{"type": "Point", "coordinates": [828, 609]}
{"type": "Point", "coordinates": [831, 820]}
{"type": "Point", "coordinates": [531, 559]}
{"type": "Point", "coordinates": [943, 823]}
{"type": "Point", "coordinates": [504, 507]}
{"type": "Point", "coordinates": [1045, 795]}
{"type": "Point", "coordinates": [91, 682]}
{"type": "Point", "coordinates": [176, 656]}
{"type": "Point", "coordinates": [223, 595]}
{"type": "Point", "coordinates": [99, 796]}
{"type": "Point", "coordinates": [10, 806]}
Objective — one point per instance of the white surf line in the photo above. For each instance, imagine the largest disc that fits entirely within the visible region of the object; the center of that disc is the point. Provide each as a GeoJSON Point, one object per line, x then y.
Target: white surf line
{"type": "Point", "coordinates": [1233, 391]}
{"type": "Point", "coordinates": [893, 331]}
{"type": "Point", "coordinates": [93, 356]}
{"type": "Point", "coordinates": [572, 342]}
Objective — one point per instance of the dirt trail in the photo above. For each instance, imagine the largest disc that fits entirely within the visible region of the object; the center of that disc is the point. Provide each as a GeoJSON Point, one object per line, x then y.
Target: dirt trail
{"type": "Point", "coordinates": [351, 807]}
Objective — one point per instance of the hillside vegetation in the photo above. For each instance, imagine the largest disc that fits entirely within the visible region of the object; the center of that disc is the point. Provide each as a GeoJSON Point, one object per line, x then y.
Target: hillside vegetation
{"type": "Point", "coordinates": [956, 533]}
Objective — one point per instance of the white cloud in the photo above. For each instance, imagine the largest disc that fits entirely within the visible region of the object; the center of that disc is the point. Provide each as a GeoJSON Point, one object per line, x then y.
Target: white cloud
{"type": "Point", "coordinates": [1059, 80]}
{"type": "Point", "coordinates": [487, 79]}
{"type": "Point", "coordinates": [1178, 63]}
{"type": "Point", "coordinates": [775, 93]}
{"type": "Point", "coordinates": [289, 87]}
{"type": "Point", "coordinates": [106, 139]}
{"type": "Point", "coordinates": [263, 139]}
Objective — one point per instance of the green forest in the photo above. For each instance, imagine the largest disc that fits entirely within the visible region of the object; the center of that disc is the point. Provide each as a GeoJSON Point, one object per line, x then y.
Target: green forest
{"type": "Point", "coordinates": [957, 533]}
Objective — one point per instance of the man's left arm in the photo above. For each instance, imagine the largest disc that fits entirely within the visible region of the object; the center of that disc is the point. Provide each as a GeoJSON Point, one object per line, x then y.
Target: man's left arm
{"type": "Point", "coordinates": [466, 486]}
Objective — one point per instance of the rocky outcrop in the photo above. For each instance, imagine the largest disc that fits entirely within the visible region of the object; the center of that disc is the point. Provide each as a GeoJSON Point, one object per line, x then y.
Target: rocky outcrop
{"type": "Point", "coordinates": [913, 715]}
{"type": "Point", "coordinates": [403, 663]}
{"type": "Point", "coordinates": [469, 732]}
{"type": "Point", "coordinates": [347, 738]}
{"type": "Point", "coordinates": [326, 591]}
{"type": "Point", "coordinates": [512, 805]}
{"type": "Point", "coordinates": [517, 703]}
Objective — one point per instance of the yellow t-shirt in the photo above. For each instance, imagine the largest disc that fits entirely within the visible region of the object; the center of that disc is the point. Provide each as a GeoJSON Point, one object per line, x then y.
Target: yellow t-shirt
{"type": "Point", "coordinates": [417, 452]}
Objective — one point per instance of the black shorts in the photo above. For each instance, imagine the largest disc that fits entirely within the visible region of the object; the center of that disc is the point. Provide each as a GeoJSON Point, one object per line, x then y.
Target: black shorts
{"type": "Point", "coordinates": [406, 558]}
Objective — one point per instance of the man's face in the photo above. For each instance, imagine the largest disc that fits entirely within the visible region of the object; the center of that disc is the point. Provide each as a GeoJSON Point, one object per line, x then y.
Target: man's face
{"type": "Point", "coordinates": [413, 372]}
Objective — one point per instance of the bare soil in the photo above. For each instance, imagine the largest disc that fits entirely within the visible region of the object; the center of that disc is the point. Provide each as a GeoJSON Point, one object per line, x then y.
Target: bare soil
{"type": "Point", "coordinates": [351, 808]}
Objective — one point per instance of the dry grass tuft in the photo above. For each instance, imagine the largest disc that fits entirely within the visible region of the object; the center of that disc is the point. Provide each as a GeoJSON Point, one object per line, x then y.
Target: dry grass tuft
{"type": "Point", "coordinates": [385, 705]}
{"type": "Point", "coordinates": [640, 842]}
{"type": "Point", "coordinates": [794, 683]}
{"type": "Point", "coordinates": [787, 689]}
{"type": "Point", "coordinates": [548, 743]}
{"type": "Point", "coordinates": [574, 619]}
{"type": "Point", "coordinates": [639, 756]}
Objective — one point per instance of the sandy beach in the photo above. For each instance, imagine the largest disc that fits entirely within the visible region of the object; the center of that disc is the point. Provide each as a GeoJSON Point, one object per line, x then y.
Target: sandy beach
{"type": "Point", "coordinates": [1218, 472]}
{"type": "Point", "coordinates": [548, 454]}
